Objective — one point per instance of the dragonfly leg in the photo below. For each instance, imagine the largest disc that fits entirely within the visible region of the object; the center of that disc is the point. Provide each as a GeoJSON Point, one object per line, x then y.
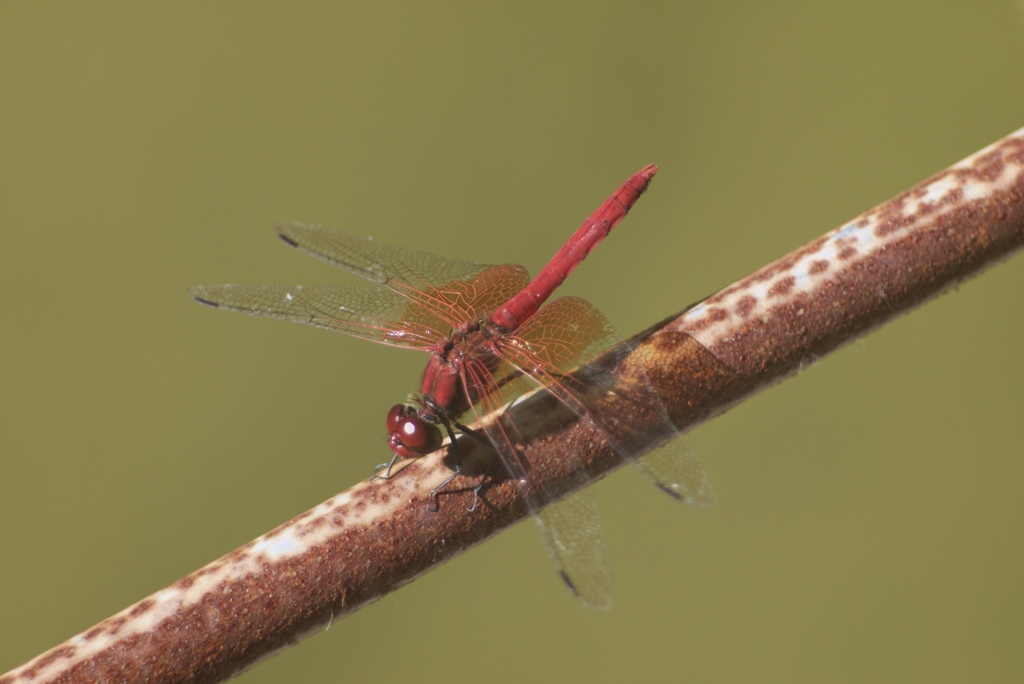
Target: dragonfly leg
{"type": "Point", "coordinates": [478, 436]}
{"type": "Point", "coordinates": [476, 493]}
{"type": "Point", "coordinates": [458, 466]}
{"type": "Point", "coordinates": [382, 466]}
{"type": "Point", "coordinates": [432, 502]}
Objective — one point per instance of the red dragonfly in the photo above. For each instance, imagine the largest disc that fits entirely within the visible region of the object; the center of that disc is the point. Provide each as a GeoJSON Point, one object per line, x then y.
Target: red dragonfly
{"type": "Point", "coordinates": [490, 340]}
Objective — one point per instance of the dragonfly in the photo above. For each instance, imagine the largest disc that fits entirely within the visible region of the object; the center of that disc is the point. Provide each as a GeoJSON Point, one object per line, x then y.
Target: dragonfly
{"type": "Point", "coordinates": [491, 337]}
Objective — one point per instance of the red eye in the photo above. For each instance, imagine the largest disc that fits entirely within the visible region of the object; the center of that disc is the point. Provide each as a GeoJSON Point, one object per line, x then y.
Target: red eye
{"type": "Point", "coordinates": [396, 414]}
{"type": "Point", "coordinates": [410, 436]}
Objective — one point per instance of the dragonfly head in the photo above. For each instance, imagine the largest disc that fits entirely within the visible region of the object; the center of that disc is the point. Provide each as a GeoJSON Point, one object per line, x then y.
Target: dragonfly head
{"type": "Point", "coordinates": [409, 435]}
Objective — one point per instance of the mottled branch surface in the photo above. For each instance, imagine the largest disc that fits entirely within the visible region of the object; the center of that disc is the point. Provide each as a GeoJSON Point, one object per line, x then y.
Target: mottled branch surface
{"type": "Point", "coordinates": [377, 536]}
{"type": "Point", "coordinates": [866, 272]}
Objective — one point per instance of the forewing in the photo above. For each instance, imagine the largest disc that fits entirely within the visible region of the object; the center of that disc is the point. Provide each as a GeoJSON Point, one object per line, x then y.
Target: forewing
{"type": "Point", "coordinates": [375, 260]}
{"type": "Point", "coordinates": [373, 314]}
{"type": "Point", "coordinates": [453, 290]}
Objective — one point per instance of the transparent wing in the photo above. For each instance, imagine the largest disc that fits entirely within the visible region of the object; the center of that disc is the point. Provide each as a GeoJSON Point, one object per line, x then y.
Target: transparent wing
{"type": "Point", "coordinates": [541, 353]}
{"type": "Point", "coordinates": [457, 291]}
{"type": "Point", "coordinates": [423, 297]}
{"type": "Point", "coordinates": [571, 527]}
{"type": "Point", "coordinates": [677, 471]}
{"type": "Point", "coordinates": [558, 338]}
{"type": "Point", "coordinates": [375, 315]}
{"type": "Point", "coordinates": [375, 260]}
{"type": "Point", "coordinates": [572, 533]}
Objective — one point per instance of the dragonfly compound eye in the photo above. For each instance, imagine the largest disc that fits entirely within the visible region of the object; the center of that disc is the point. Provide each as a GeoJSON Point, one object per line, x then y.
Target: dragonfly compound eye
{"type": "Point", "coordinates": [397, 413]}
{"type": "Point", "coordinates": [409, 435]}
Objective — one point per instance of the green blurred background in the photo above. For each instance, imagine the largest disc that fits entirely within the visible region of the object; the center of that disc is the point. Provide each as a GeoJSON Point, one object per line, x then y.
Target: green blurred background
{"type": "Point", "coordinates": [869, 525]}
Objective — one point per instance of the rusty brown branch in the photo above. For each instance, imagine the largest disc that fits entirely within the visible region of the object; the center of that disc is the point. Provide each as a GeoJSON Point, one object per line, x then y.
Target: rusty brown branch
{"type": "Point", "coordinates": [377, 536]}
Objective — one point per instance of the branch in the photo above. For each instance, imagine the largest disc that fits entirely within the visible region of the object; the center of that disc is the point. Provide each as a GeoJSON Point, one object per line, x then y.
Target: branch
{"type": "Point", "coordinates": [376, 536]}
